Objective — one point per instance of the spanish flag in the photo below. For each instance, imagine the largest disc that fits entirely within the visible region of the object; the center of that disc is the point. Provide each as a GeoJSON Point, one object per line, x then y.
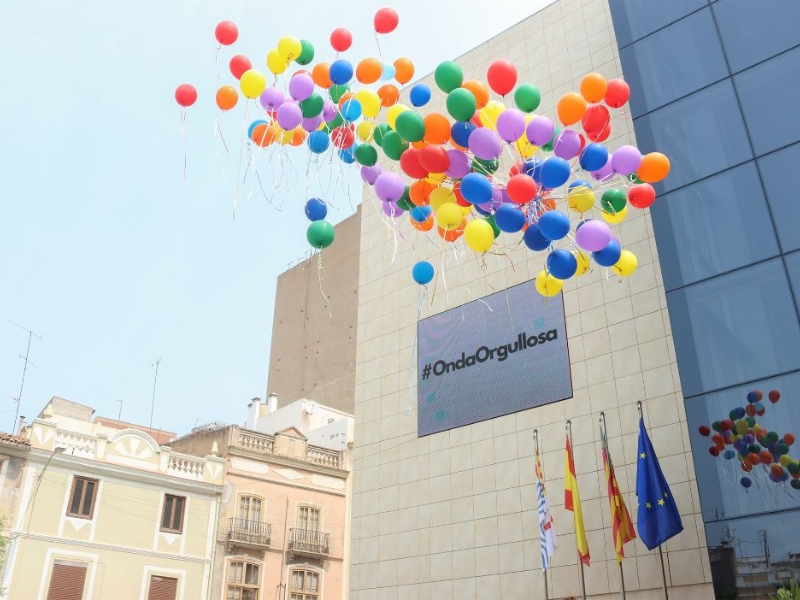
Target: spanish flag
{"type": "Point", "coordinates": [572, 501]}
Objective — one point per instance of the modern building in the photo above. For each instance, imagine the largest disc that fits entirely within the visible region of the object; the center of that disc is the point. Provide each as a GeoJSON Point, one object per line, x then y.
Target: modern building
{"type": "Point", "coordinates": [283, 530]}
{"type": "Point", "coordinates": [109, 513]}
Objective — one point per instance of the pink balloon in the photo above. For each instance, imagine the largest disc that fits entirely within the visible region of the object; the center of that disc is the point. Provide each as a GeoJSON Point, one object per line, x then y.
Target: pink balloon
{"type": "Point", "coordinates": [459, 164]}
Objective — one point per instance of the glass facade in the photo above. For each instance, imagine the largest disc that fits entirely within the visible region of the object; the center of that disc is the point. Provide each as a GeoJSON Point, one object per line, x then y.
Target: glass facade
{"type": "Point", "coordinates": [714, 85]}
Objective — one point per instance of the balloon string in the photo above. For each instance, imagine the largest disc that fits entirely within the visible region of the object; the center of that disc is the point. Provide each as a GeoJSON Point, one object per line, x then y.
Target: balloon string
{"type": "Point", "coordinates": [241, 153]}
{"type": "Point", "coordinates": [378, 44]}
{"type": "Point", "coordinates": [183, 135]}
{"type": "Point", "coordinates": [216, 61]}
{"type": "Point", "coordinates": [423, 291]}
{"type": "Point", "coordinates": [320, 277]}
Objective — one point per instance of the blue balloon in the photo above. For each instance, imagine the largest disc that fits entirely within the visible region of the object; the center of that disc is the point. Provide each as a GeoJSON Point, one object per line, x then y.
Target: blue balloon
{"type": "Point", "coordinates": [351, 110]}
{"type": "Point", "coordinates": [316, 209]}
{"type": "Point", "coordinates": [594, 157]}
{"type": "Point", "coordinates": [460, 132]}
{"type": "Point", "coordinates": [509, 218]}
{"type": "Point", "coordinates": [533, 168]}
{"type": "Point", "coordinates": [341, 71]}
{"type": "Point", "coordinates": [253, 125]}
{"type": "Point", "coordinates": [318, 141]}
{"type": "Point", "coordinates": [420, 94]}
{"type": "Point", "coordinates": [608, 256]}
{"type": "Point", "coordinates": [554, 224]}
{"type": "Point", "coordinates": [421, 213]}
{"type": "Point", "coordinates": [580, 182]}
{"type": "Point", "coordinates": [388, 71]}
{"type": "Point", "coordinates": [534, 239]}
{"type": "Point", "coordinates": [555, 172]}
{"type": "Point", "coordinates": [752, 397]}
{"type": "Point", "coordinates": [422, 272]}
{"type": "Point", "coordinates": [562, 264]}
{"type": "Point", "coordinates": [347, 155]}
{"type": "Point", "coordinates": [728, 454]}
{"type": "Point", "coordinates": [476, 188]}
{"type": "Point", "coordinates": [746, 482]}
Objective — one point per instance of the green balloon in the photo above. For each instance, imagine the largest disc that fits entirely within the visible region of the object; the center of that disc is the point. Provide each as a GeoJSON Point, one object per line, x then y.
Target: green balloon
{"type": "Point", "coordinates": [527, 97]}
{"type": "Point", "coordinates": [613, 200]}
{"type": "Point", "coordinates": [337, 91]}
{"type": "Point", "coordinates": [320, 234]}
{"type": "Point", "coordinates": [394, 145]}
{"type": "Point", "coordinates": [485, 167]}
{"type": "Point", "coordinates": [336, 122]}
{"type": "Point", "coordinates": [448, 76]}
{"type": "Point", "coordinates": [634, 179]}
{"type": "Point", "coordinates": [548, 147]}
{"type": "Point", "coordinates": [754, 448]}
{"type": "Point", "coordinates": [751, 421]}
{"type": "Point", "coordinates": [306, 54]}
{"type": "Point", "coordinates": [405, 202]}
{"type": "Point", "coordinates": [495, 228]}
{"type": "Point", "coordinates": [793, 467]}
{"type": "Point", "coordinates": [410, 125]}
{"type": "Point", "coordinates": [461, 104]}
{"type": "Point", "coordinates": [312, 106]}
{"type": "Point", "coordinates": [380, 131]}
{"type": "Point", "coordinates": [795, 484]}
{"type": "Point", "coordinates": [366, 155]}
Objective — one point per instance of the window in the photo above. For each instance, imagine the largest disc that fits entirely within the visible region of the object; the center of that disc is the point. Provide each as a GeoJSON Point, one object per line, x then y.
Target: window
{"type": "Point", "coordinates": [243, 581]}
{"type": "Point", "coordinates": [172, 517]}
{"type": "Point", "coordinates": [777, 170]}
{"type": "Point", "coordinates": [162, 588]}
{"type": "Point", "coordinates": [634, 19]}
{"type": "Point", "coordinates": [250, 508]}
{"type": "Point", "coordinates": [66, 581]}
{"type": "Point", "coordinates": [308, 518]}
{"type": "Point", "coordinates": [81, 500]}
{"type": "Point", "coordinates": [304, 585]}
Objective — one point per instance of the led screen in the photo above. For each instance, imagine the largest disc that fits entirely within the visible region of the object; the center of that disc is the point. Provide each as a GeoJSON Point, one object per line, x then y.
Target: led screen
{"type": "Point", "coordinates": [494, 356]}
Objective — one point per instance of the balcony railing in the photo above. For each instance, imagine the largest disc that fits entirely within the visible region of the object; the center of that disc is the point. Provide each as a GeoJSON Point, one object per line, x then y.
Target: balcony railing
{"type": "Point", "coordinates": [261, 443]}
{"type": "Point", "coordinates": [246, 532]}
{"type": "Point", "coordinates": [309, 543]}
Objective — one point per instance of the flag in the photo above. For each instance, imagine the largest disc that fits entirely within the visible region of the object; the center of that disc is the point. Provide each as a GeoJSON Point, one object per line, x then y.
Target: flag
{"type": "Point", "coordinates": [572, 501]}
{"type": "Point", "coordinates": [658, 516]}
{"type": "Point", "coordinates": [621, 527]}
{"type": "Point", "coordinates": [547, 534]}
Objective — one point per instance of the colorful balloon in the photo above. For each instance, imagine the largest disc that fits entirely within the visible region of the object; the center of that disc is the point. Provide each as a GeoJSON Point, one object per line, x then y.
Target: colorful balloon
{"type": "Point", "coordinates": [186, 94]}
{"type": "Point", "coordinates": [226, 33]}
{"type": "Point", "coordinates": [341, 39]}
{"type": "Point", "coordinates": [386, 20]}
{"type": "Point", "coordinates": [502, 76]}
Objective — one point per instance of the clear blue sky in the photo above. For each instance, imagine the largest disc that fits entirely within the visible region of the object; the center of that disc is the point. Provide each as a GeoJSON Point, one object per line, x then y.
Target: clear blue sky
{"type": "Point", "coordinates": [104, 252]}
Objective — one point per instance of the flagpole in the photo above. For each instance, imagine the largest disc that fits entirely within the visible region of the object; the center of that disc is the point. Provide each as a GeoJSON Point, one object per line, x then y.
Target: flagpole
{"type": "Point", "coordinates": [580, 562]}
{"type": "Point", "coordinates": [536, 447]}
{"type": "Point", "coordinates": [660, 551]}
{"type": "Point", "coordinates": [604, 443]}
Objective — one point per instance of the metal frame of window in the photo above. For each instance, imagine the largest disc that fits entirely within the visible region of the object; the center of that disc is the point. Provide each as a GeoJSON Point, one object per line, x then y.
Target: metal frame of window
{"type": "Point", "coordinates": [174, 509]}
{"type": "Point", "coordinates": [83, 496]}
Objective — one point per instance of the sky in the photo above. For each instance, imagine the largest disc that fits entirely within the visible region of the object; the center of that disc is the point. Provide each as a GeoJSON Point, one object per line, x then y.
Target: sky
{"type": "Point", "coordinates": [106, 252]}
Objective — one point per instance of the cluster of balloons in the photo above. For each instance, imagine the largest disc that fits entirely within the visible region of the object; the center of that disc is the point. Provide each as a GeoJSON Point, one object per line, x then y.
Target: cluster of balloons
{"type": "Point", "coordinates": [758, 450]}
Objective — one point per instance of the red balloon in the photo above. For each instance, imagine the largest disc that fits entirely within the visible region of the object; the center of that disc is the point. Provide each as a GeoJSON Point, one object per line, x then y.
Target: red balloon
{"type": "Point", "coordinates": [521, 188]}
{"type": "Point", "coordinates": [642, 196]}
{"type": "Point", "coordinates": [517, 168]}
{"type": "Point", "coordinates": [410, 163]}
{"type": "Point", "coordinates": [750, 409]}
{"type": "Point", "coordinates": [502, 76]}
{"type": "Point", "coordinates": [341, 39]}
{"type": "Point", "coordinates": [434, 158]}
{"type": "Point", "coordinates": [713, 451]}
{"type": "Point", "coordinates": [774, 396]}
{"type": "Point", "coordinates": [704, 430]}
{"type": "Point", "coordinates": [788, 439]}
{"type": "Point", "coordinates": [186, 94]}
{"type": "Point", "coordinates": [617, 93]}
{"type": "Point", "coordinates": [599, 136]}
{"type": "Point", "coordinates": [226, 33]}
{"type": "Point", "coordinates": [343, 137]}
{"type": "Point", "coordinates": [239, 64]}
{"type": "Point", "coordinates": [386, 20]}
{"type": "Point", "coordinates": [459, 198]}
{"type": "Point", "coordinates": [595, 119]}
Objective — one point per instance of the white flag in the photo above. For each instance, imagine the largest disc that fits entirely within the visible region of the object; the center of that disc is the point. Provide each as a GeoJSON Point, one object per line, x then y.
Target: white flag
{"type": "Point", "coordinates": [547, 534]}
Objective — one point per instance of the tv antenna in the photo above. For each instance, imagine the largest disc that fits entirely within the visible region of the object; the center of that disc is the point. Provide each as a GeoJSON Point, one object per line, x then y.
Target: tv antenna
{"type": "Point", "coordinates": [25, 362]}
{"type": "Point", "coordinates": [153, 400]}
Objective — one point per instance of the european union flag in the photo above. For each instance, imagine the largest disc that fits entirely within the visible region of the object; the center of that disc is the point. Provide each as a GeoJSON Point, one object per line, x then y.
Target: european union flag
{"type": "Point", "coordinates": [658, 517]}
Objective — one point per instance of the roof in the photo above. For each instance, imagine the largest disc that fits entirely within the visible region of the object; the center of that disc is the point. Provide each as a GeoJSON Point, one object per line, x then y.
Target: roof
{"type": "Point", "coordinates": [160, 436]}
{"type": "Point", "coordinates": [13, 439]}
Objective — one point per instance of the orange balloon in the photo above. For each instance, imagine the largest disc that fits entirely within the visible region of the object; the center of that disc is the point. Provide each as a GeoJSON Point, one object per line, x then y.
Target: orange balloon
{"type": "Point", "coordinates": [321, 74]}
{"type": "Point", "coordinates": [298, 137]}
{"type": "Point", "coordinates": [419, 145]}
{"type": "Point", "coordinates": [437, 128]}
{"type": "Point", "coordinates": [389, 95]}
{"type": "Point", "coordinates": [426, 225]}
{"type": "Point", "coordinates": [654, 167]}
{"type": "Point", "coordinates": [265, 134]}
{"type": "Point", "coordinates": [420, 192]}
{"type": "Point", "coordinates": [369, 70]}
{"type": "Point", "coordinates": [345, 97]}
{"type": "Point", "coordinates": [571, 108]}
{"type": "Point", "coordinates": [593, 87]}
{"type": "Point", "coordinates": [227, 97]}
{"type": "Point", "coordinates": [479, 90]}
{"type": "Point", "coordinates": [404, 70]}
{"type": "Point", "coordinates": [453, 234]}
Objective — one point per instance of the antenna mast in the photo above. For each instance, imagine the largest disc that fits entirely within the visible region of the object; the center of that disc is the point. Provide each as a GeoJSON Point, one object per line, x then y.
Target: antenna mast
{"type": "Point", "coordinates": [25, 362]}
{"type": "Point", "coordinates": [153, 401]}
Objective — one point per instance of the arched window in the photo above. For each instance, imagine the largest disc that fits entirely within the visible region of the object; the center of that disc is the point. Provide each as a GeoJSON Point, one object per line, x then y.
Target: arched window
{"type": "Point", "coordinates": [244, 580]}
{"type": "Point", "coordinates": [304, 585]}
{"type": "Point", "coordinates": [308, 518]}
{"type": "Point", "coordinates": [250, 508]}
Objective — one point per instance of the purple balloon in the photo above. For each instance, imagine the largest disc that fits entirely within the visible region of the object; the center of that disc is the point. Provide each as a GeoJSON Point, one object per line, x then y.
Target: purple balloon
{"type": "Point", "coordinates": [389, 187]}
{"type": "Point", "coordinates": [511, 124]}
{"type": "Point", "coordinates": [391, 210]}
{"type": "Point", "coordinates": [626, 160]}
{"type": "Point", "coordinates": [540, 130]}
{"type": "Point", "coordinates": [567, 144]}
{"type": "Point", "coordinates": [593, 235]}
{"type": "Point", "coordinates": [606, 172]}
{"type": "Point", "coordinates": [289, 116]}
{"type": "Point", "coordinates": [328, 111]}
{"type": "Point", "coordinates": [459, 164]}
{"type": "Point", "coordinates": [485, 143]}
{"type": "Point", "coordinates": [301, 86]}
{"type": "Point", "coordinates": [370, 174]}
{"type": "Point", "coordinates": [312, 123]}
{"type": "Point", "coordinates": [272, 98]}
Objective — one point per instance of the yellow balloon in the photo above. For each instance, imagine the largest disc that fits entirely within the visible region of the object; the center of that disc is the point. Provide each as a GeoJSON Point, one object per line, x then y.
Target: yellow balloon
{"type": "Point", "coordinates": [626, 264]}
{"type": "Point", "coordinates": [393, 113]}
{"type": "Point", "coordinates": [365, 131]}
{"type": "Point", "coordinates": [490, 112]}
{"type": "Point", "coordinates": [479, 235]}
{"type": "Point", "coordinates": [547, 285]}
{"type": "Point", "coordinates": [286, 137]}
{"type": "Point", "coordinates": [615, 218]}
{"type": "Point", "coordinates": [449, 216]}
{"type": "Point", "coordinates": [785, 460]}
{"type": "Point", "coordinates": [253, 83]}
{"type": "Point", "coordinates": [524, 147]}
{"type": "Point", "coordinates": [370, 102]}
{"type": "Point", "coordinates": [289, 47]}
{"type": "Point", "coordinates": [580, 198]}
{"type": "Point", "coordinates": [583, 263]}
{"type": "Point", "coordinates": [275, 62]}
{"type": "Point", "coordinates": [441, 196]}
{"type": "Point", "coordinates": [436, 178]}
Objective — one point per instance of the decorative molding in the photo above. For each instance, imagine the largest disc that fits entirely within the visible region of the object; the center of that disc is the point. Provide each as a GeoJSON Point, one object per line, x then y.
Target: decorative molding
{"type": "Point", "coordinates": [328, 482]}
{"type": "Point", "coordinates": [290, 474]}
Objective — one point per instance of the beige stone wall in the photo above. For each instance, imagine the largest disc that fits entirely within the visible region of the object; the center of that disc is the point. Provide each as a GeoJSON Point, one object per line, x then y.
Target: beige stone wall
{"type": "Point", "coordinates": [453, 515]}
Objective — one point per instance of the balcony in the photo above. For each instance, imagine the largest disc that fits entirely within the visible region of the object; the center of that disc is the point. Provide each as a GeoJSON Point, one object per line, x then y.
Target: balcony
{"type": "Point", "coordinates": [260, 443]}
{"type": "Point", "coordinates": [304, 542]}
{"type": "Point", "coordinates": [250, 534]}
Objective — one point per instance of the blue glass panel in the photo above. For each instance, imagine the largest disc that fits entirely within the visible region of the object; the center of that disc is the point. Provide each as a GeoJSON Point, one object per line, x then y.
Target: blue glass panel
{"type": "Point", "coordinates": [793, 266]}
{"type": "Point", "coordinates": [713, 226]}
{"type": "Point", "coordinates": [769, 93]}
{"type": "Point", "coordinates": [634, 19]}
{"type": "Point", "coordinates": [737, 327]}
{"type": "Point", "coordinates": [673, 62]}
{"type": "Point", "coordinates": [755, 31]}
{"type": "Point", "coordinates": [702, 134]}
{"type": "Point", "coordinates": [780, 173]}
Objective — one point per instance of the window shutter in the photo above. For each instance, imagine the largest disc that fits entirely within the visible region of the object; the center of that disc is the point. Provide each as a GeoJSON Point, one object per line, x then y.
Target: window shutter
{"type": "Point", "coordinates": [67, 580]}
{"type": "Point", "coordinates": [162, 588]}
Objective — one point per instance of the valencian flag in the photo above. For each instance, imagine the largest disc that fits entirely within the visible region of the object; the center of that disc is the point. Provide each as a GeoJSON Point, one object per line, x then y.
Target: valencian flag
{"type": "Point", "coordinates": [621, 527]}
{"type": "Point", "coordinates": [547, 534]}
{"type": "Point", "coordinates": [572, 501]}
{"type": "Point", "coordinates": [658, 516]}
